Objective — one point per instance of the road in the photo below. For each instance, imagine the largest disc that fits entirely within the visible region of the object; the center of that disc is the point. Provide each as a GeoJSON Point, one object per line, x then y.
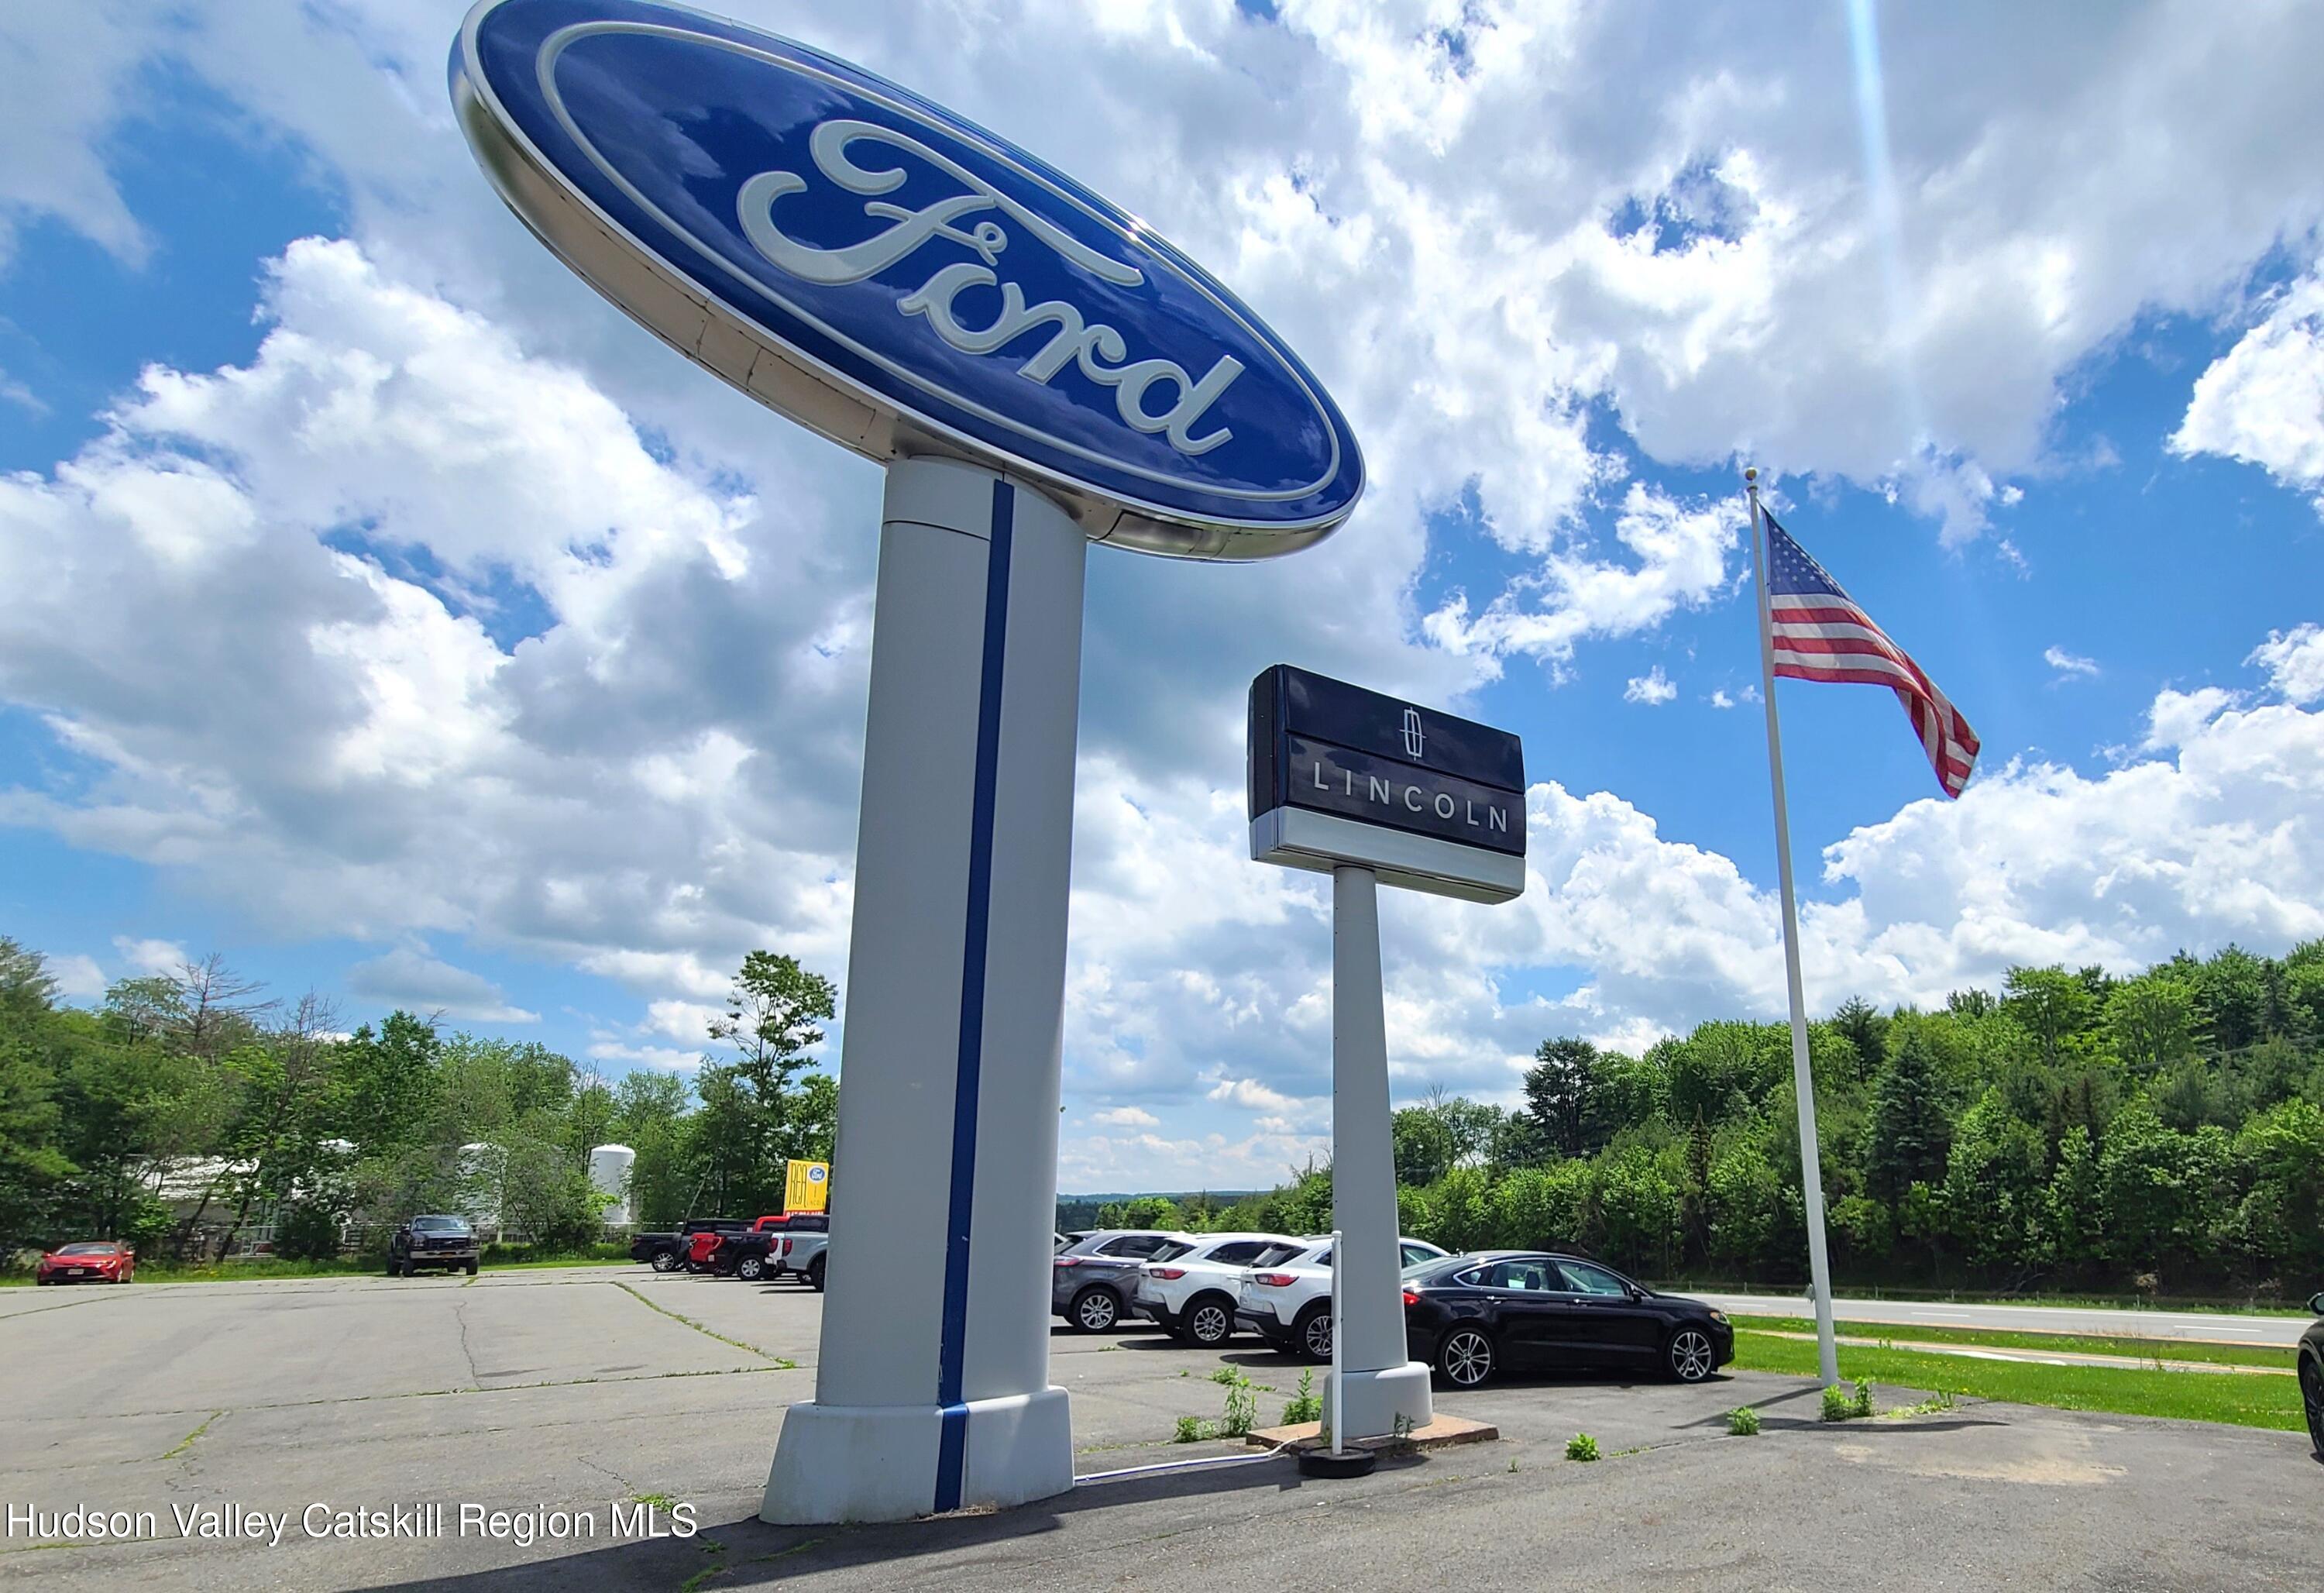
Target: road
{"type": "Point", "coordinates": [577, 1391]}
{"type": "Point", "coordinates": [2195, 1325]}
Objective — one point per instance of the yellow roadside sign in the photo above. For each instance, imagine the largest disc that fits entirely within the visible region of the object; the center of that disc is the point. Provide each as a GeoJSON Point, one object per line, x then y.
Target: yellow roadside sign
{"type": "Point", "coordinates": [807, 1186]}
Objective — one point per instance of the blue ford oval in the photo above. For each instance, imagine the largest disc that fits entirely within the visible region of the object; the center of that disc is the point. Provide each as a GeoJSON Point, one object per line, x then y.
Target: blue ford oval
{"type": "Point", "coordinates": [897, 278]}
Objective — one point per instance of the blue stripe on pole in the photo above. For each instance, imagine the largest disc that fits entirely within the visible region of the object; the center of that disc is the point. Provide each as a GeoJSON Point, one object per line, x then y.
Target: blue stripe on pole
{"type": "Point", "coordinates": [952, 1448]}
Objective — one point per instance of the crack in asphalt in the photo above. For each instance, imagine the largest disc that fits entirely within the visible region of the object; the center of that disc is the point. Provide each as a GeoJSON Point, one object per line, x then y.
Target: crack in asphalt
{"type": "Point", "coordinates": [460, 1316]}
{"type": "Point", "coordinates": [187, 1442]}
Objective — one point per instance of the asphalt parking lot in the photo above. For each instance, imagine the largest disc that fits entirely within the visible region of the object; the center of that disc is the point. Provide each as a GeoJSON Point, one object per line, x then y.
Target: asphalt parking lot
{"type": "Point", "coordinates": [577, 1389]}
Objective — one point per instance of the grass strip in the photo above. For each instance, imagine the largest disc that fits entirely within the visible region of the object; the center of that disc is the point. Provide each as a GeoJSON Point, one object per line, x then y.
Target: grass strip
{"type": "Point", "coordinates": [2242, 1402]}
{"type": "Point", "coordinates": [781, 1362]}
{"type": "Point", "coordinates": [2135, 1349]}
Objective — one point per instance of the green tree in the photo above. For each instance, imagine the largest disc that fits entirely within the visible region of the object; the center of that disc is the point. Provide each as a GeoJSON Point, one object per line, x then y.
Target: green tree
{"type": "Point", "coordinates": [2150, 1020]}
{"type": "Point", "coordinates": [32, 1168]}
{"type": "Point", "coordinates": [1421, 1145]}
{"type": "Point", "coordinates": [2232, 998]}
{"type": "Point", "coordinates": [1560, 1089]}
{"type": "Point", "coordinates": [1866, 1029]}
{"type": "Point", "coordinates": [1745, 1209]}
{"type": "Point", "coordinates": [1995, 1185]}
{"type": "Point", "coordinates": [1911, 1132]}
{"type": "Point", "coordinates": [2073, 1210]}
{"type": "Point", "coordinates": [769, 1026]}
{"type": "Point", "coordinates": [393, 1079]}
{"type": "Point", "coordinates": [2280, 1220]}
{"type": "Point", "coordinates": [2052, 1006]}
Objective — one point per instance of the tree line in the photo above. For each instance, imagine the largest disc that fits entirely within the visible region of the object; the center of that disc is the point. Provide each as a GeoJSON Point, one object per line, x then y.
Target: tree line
{"type": "Point", "coordinates": [186, 1112]}
{"type": "Point", "coordinates": [2075, 1130]}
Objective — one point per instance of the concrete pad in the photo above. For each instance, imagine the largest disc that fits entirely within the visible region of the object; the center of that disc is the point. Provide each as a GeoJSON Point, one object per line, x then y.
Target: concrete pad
{"type": "Point", "coordinates": [1441, 1432]}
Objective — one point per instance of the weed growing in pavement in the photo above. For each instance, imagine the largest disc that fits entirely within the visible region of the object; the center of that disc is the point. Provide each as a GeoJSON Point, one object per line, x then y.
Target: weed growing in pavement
{"type": "Point", "coordinates": [1581, 1447]}
{"type": "Point", "coordinates": [1401, 1427]}
{"type": "Point", "coordinates": [1861, 1405]}
{"type": "Point", "coordinates": [1190, 1431]}
{"type": "Point", "coordinates": [1306, 1404]}
{"type": "Point", "coordinates": [1242, 1403]}
{"type": "Point", "coordinates": [1838, 1406]}
{"type": "Point", "coordinates": [1743, 1421]}
{"type": "Point", "coordinates": [1513, 1468]}
{"type": "Point", "coordinates": [1939, 1400]}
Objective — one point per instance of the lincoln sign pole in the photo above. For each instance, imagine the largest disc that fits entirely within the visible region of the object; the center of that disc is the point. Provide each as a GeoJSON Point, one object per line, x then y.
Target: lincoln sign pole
{"type": "Point", "coordinates": [1037, 371]}
{"type": "Point", "coordinates": [1374, 791]}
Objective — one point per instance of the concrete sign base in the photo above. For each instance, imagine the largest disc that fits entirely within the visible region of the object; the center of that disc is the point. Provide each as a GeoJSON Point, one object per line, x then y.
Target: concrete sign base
{"type": "Point", "coordinates": [932, 1389]}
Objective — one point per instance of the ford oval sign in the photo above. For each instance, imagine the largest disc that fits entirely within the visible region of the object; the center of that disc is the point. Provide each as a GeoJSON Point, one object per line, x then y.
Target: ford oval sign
{"type": "Point", "coordinates": [897, 278]}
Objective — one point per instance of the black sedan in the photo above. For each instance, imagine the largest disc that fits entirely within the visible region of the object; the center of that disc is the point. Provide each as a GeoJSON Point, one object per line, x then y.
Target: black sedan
{"type": "Point", "coordinates": [1471, 1317]}
{"type": "Point", "coordinates": [2311, 1375]}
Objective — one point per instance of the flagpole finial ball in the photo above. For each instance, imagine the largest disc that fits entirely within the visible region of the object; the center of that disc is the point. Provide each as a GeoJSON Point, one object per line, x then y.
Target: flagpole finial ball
{"type": "Point", "coordinates": [1752, 474]}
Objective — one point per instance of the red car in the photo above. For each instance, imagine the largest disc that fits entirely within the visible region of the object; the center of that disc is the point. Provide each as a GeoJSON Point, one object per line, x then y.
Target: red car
{"type": "Point", "coordinates": [97, 1261]}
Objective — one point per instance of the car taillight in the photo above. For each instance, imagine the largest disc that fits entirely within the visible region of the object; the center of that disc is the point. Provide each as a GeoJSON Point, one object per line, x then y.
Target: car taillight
{"type": "Point", "coordinates": [1410, 1298]}
{"type": "Point", "coordinates": [1068, 1261]}
{"type": "Point", "coordinates": [1166, 1273]}
{"type": "Point", "coordinates": [786, 1247]}
{"type": "Point", "coordinates": [1272, 1280]}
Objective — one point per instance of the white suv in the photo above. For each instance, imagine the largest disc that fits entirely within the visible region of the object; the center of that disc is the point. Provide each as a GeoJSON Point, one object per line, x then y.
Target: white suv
{"type": "Point", "coordinates": [1285, 1294]}
{"type": "Point", "coordinates": [1189, 1285]}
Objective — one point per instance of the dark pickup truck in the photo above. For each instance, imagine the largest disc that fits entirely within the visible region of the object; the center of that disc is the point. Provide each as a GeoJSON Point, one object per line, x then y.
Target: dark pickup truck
{"type": "Point", "coordinates": [755, 1254]}
{"type": "Point", "coordinates": [666, 1253]}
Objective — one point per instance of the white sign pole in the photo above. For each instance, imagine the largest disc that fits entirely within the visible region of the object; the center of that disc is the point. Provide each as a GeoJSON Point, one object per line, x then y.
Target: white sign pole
{"type": "Point", "coordinates": [1373, 1380]}
{"type": "Point", "coordinates": [1803, 1078]}
{"type": "Point", "coordinates": [933, 1389]}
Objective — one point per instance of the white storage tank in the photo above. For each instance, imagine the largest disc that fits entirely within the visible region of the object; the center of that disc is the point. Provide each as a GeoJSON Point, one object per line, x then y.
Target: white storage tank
{"type": "Point", "coordinates": [609, 1174]}
{"type": "Point", "coordinates": [480, 1186]}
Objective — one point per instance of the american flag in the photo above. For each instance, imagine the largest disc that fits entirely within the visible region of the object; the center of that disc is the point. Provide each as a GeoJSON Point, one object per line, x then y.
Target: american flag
{"type": "Point", "coordinates": [1821, 634]}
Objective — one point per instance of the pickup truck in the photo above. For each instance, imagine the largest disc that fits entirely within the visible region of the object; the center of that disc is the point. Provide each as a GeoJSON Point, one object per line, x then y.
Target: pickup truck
{"type": "Point", "coordinates": [802, 1252]}
{"type": "Point", "coordinates": [666, 1253]}
{"type": "Point", "coordinates": [757, 1253]}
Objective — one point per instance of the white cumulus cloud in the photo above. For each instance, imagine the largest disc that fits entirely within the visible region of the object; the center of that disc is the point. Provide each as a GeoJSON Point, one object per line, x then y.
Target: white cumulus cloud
{"type": "Point", "coordinates": [1654, 688]}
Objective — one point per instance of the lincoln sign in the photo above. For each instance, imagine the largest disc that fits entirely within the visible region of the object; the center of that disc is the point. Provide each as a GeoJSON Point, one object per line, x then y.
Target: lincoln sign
{"type": "Point", "coordinates": [1342, 775]}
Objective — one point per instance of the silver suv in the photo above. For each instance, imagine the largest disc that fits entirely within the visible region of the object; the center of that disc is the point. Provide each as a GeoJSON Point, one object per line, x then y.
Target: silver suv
{"type": "Point", "coordinates": [1093, 1280]}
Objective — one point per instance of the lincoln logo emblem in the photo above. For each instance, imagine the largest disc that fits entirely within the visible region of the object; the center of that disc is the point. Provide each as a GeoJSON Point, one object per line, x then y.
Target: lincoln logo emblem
{"type": "Point", "coordinates": [1415, 743]}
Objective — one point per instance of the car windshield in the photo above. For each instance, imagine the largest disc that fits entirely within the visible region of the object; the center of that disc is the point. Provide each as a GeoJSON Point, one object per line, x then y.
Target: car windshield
{"type": "Point", "coordinates": [87, 1250]}
{"type": "Point", "coordinates": [440, 1225]}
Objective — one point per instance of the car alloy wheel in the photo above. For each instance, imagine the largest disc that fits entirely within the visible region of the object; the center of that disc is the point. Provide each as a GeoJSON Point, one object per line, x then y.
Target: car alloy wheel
{"type": "Point", "coordinates": [1209, 1323]}
{"type": "Point", "coordinates": [1466, 1358]}
{"type": "Point", "coordinates": [750, 1269]}
{"type": "Point", "coordinates": [1691, 1361]}
{"type": "Point", "coordinates": [664, 1261]}
{"type": "Point", "coordinates": [1096, 1309]}
{"type": "Point", "coordinates": [1315, 1335]}
{"type": "Point", "coordinates": [2311, 1391]}
{"type": "Point", "coordinates": [815, 1275]}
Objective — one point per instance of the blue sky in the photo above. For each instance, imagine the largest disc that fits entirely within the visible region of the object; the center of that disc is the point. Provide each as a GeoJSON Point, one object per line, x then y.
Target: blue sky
{"type": "Point", "coordinates": [414, 748]}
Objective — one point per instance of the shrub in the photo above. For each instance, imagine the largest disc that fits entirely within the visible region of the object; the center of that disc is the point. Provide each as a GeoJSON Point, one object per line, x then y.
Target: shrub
{"type": "Point", "coordinates": [1743, 1421]}
{"type": "Point", "coordinates": [1581, 1447]}
{"type": "Point", "coordinates": [306, 1232]}
{"type": "Point", "coordinates": [1306, 1404]}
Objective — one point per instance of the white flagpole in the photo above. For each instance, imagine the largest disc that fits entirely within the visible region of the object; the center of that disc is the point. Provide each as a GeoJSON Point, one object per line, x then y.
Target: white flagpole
{"type": "Point", "coordinates": [1802, 1080]}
